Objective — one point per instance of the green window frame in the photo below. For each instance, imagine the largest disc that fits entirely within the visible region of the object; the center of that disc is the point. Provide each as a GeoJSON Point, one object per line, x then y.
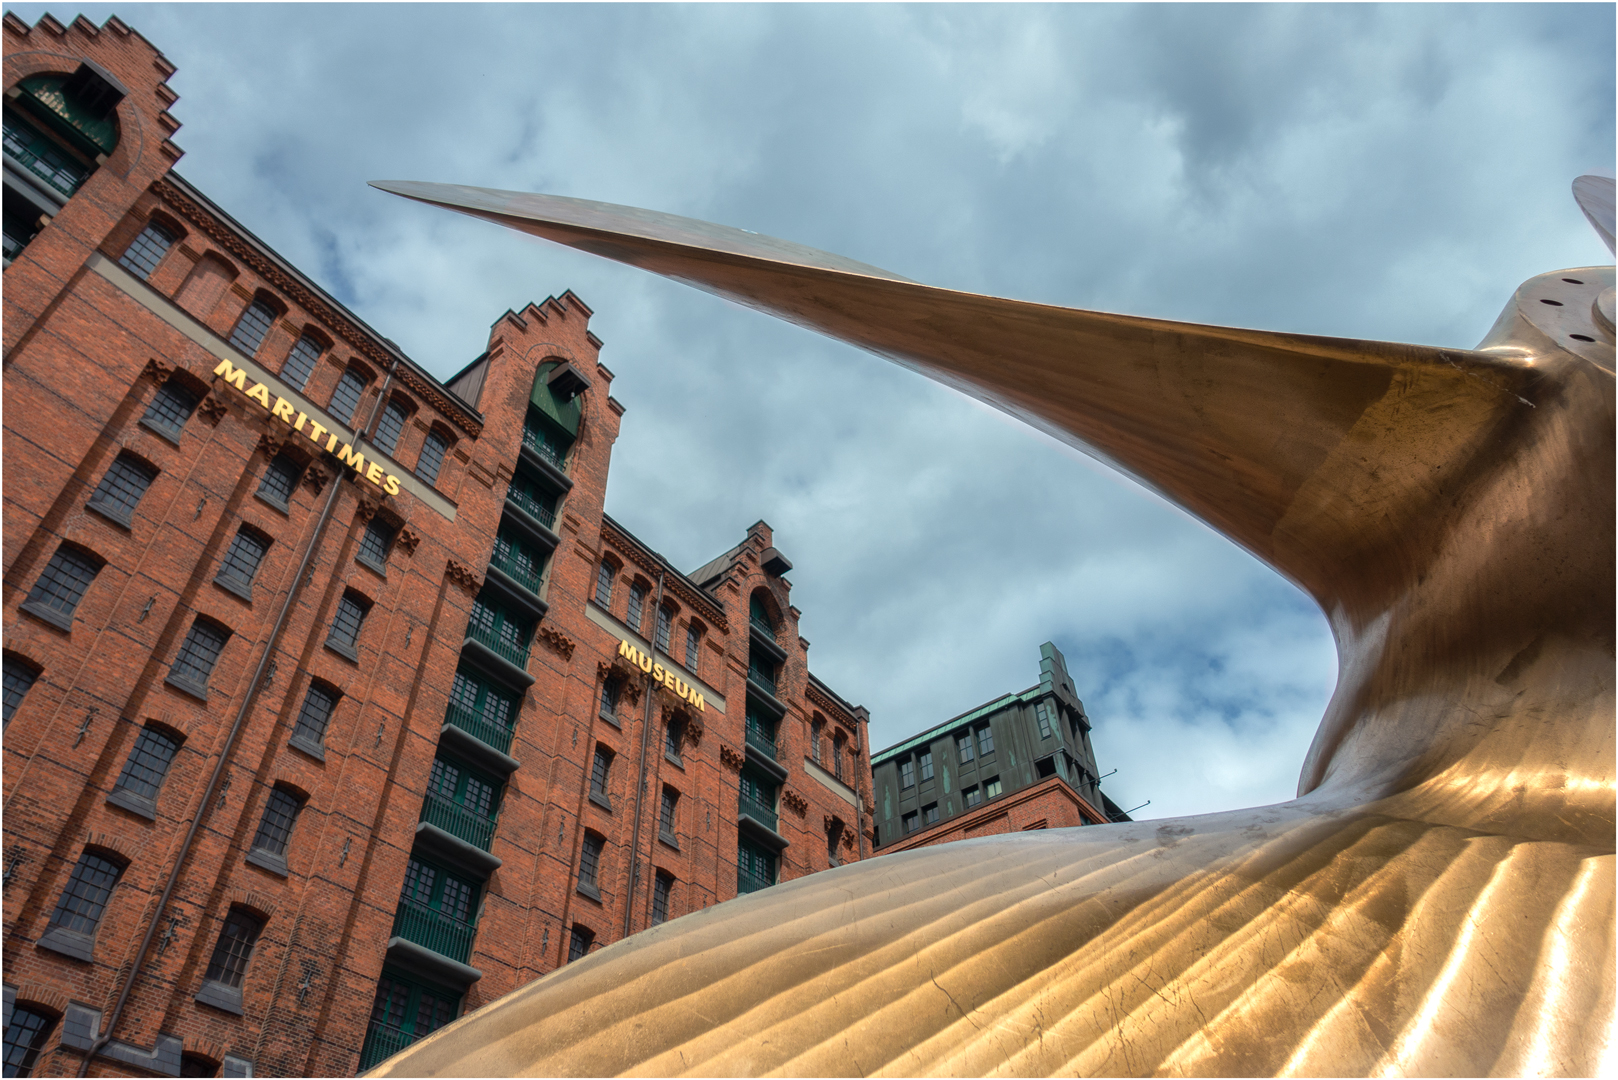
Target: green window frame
{"type": "Point", "coordinates": [405, 1010]}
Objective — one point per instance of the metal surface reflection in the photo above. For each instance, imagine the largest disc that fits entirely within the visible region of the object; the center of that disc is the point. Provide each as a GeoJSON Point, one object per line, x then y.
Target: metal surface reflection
{"type": "Point", "coordinates": [1438, 899]}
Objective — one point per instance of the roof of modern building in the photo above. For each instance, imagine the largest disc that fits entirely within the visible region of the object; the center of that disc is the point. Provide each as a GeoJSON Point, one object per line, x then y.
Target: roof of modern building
{"type": "Point", "coordinates": [1004, 701]}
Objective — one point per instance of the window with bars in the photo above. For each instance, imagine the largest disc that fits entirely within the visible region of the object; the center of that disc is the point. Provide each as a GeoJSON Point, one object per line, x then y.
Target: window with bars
{"type": "Point", "coordinates": [599, 772]}
{"type": "Point", "coordinates": [147, 250]}
{"type": "Point", "coordinates": [925, 760]}
{"type": "Point", "coordinates": [27, 1032]}
{"type": "Point", "coordinates": [637, 603]}
{"type": "Point", "coordinates": [252, 326]}
{"type": "Point", "coordinates": [665, 813]}
{"type": "Point", "coordinates": [234, 950]}
{"type": "Point", "coordinates": [662, 887]}
{"type": "Point", "coordinates": [609, 699]}
{"type": "Point", "coordinates": [391, 426]}
{"type": "Point", "coordinates": [121, 488]}
{"type": "Point", "coordinates": [300, 363]}
{"type": "Point", "coordinates": [62, 585]}
{"type": "Point", "coordinates": [579, 942]}
{"type": "Point", "coordinates": [242, 561]}
{"type": "Point", "coordinates": [431, 459]}
{"type": "Point", "coordinates": [665, 623]}
{"type": "Point", "coordinates": [19, 679]}
{"type": "Point", "coordinates": [693, 639]}
{"type": "Point", "coordinates": [83, 901]}
{"type": "Point", "coordinates": [590, 863]}
{"type": "Point", "coordinates": [345, 626]}
{"type": "Point", "coordinates": [280, 481]}
{"type": "Point", "coordinates": [466, 788]}
{"type": "Point", "coordinates": [148, 763]}
{"type": "Point", "coordinates": [169, 410]}
{"type": "Point", "coordinates": [198, 655]}
{"type": "Point", "coordinates": [346, 398]}
{"type": "Point", "coordinates": [275, 827]}
{"type": "Point", "coordinates": [604, 575]}
{"type": "Point", "coordinates": [985, 741]}
{"type": "Point", "coordinates": [319, 703]}
{"type": "Point", "coordinates": [375, 544]}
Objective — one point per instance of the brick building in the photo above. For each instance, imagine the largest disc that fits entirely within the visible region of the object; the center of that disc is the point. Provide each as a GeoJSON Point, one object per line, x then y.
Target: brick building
{"type": "Point", "coordinates": [1021, 761]}
{"type": "Point", "coordinates": [334, 703]}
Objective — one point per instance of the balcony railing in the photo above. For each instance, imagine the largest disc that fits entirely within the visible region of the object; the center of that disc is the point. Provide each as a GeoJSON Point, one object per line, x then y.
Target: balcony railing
{"type": "Point", "coordinates": [762, 627]}
{"type": "Point", "coordinates": [543, 513]}
{"type": "Point", "coordinates": [535, 440]}
{"type": "Point", "coordinates": [495, 734]}
{"type": "Point", "coordinates": [747, 882]}
{"type": "Point", "coordinates": [758, 811]}
{"type": "Point", "coordinates": [761, 742]}
{"type": "Point", "coordinates": [521, 570]}
{"type": "Point", "coordinates": [764, 678]}
{"type": "Point", "coordinates": [382, 1041]}
{"type": "Point", "coordinates": [427, 928]}
{"type": "Point", "coordinates": [506, 649]}
{"type": "Point", "coordinates": [475, 829]}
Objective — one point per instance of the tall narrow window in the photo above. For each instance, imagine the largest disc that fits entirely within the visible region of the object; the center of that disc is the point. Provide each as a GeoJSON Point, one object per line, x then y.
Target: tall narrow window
{"type": "Point", "coordinates": [662, 886]}
{"type": "Point", "coordinates": [755, 868]}
{"type": "Point", "coordinates": [609, 699]}
{"type": "Point", "coordinates": [60, 588]}
{"type": "Point", "coordinates": [233, 952]}
{"type": "Point", "coordinates": [19, 679]}
{"type": "Point", "coordinates": [346, 398]}
{"type": "Point", "coordinates": [474, 704]}
{"type": "Point", "coordinates": [834, 833]}
{"type": "Point", "coordinates": [242, 561]}
{"type": "Point", "coordinates": [345, 626]}
{"type": "Point", "coordinates": [300, 363]}
{"type": "Point", "coordinates": [693, 639]}
{"type": "Point", "coordinates": [275, 827]}
{"type": "Point", "coordinates": [815, 730]}
{"type": "Point", "coordinates": [198, 655]}
{"type": "Point", "coordinates": [147, 250]}
{"type": "Point", "coordinates": [963, 746]}
{"type": "Point", "coordinates": [579, 942]}
{"type": "Point", "coordinates": [637, 602]}
{"type": "Point", "coordinates": [907, 773]}
{"type": "Point", "coordinates": [674, 737]}
{"type": "Point", "coordinates": [604, 576]}
{"type": "Point", "coordinates": [82, 903]}
{"type": "Point", "coordinates": [665, 814]}
{"type": "Point", "coordinates": [665, 620]}
{"type": "Point", "coordinates": [318, 705]}
{"type": "Point", "coordinates": [837, 759]}
{"type": "Point", "coordinates": [169, 410]}
{"type": "Point", "coordinates": [375, 545]}
{"type": "Point", "coordinates": [280, 481]}
{"type": "Point", "coordinates": [27, 1032]}
{"type": "Point", "coordinates": [431, 459]}
{"type": "Point", "coordinates": [1044, 720]}
{"type": "Point", "coordinates": [148, 763]}
{"type": "Point", "coordinates": [252, 326]}
{"type": "Point", "coordinates": [599, 771]}
{"type": "Point", "coordinates": [120, 490]}
{"type": "Point", "coordinates": [590, 864]}
{"type": "Point", "coordinates": [925, 760]}
{"type": "Point", "coordinates": [391, 425]}
{"type": "Point", "coordinates": [985, 741]}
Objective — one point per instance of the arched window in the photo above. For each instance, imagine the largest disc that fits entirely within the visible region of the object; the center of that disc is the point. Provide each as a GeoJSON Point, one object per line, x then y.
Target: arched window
{"type": "Point", "coordinates": [254, 324]}
{"type": "Point", "coordinates": [346, 398]}
{"type": "Point", "coordinates": [147, 250]}
{"type": "Point", "coordinates": [758, 613]}
{"type": "Point", "coordinates": [300, 363]}
{"type": "Point", "coordinates": [389, 428]}
{"type": "Point", "coordinates": [431, 460]}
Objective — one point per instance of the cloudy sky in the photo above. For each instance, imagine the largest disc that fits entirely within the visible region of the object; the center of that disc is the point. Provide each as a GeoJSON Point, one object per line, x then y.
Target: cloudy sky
{"type": "Point", "coordinates": [1381, 172]}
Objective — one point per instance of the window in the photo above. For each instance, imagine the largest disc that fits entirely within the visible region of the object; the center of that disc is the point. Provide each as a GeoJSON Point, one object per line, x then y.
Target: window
{"type": "Point", "coordinates": [604, 576]}
{"type": "Point", "coordinates": [479, 703]}
{"type": "Point", "coordinates": [375, 544]}
{"type": "Point", "coordinates": [29, 147]}
{"type": "Point", "coordinates": [300, 363]}
{"type": "Point", "coordinates": [579, 942]}
{"type": "Point", "coordinates": [674, 737]}
{"type": "Point", "coordinates": [963, 747]}
{"type": "Point", "coordinates": [991, 788]}
{"type": "Point", "coordinates": [252, 326]}
{"type": "Point", "coordinates": [198, 1065]}
{"type": "Point", "coordinates": [431, 459]}
{"type": "Point", "coordinates": [926, 762]}
{"type": "Point", "coordinates": [760, 731]}
{"type": "Point", "coordinates": [533, 500]}
{"type": "Point", "coordinates": [761, 670]}
{"type": "Point", "coordinates": [85, 898]}
{"type": "Point", "coordinates": [275, 827]}
{"type": "Point", "coordinates": [345, 626]}
{"type": "Point", "coordinates": [755, 868]}
{"type": "Point", "coordinates": [169, 410]}
{"type": "Point", "coordinates": [609, 700]}
{"type": "Point", "coordinates": [501, 631]}
{"type": "Point", "coordinates": [517, 559]}
{"type": "Point", "coordinates": [662, 885]}
{"type": "Point", "coordinates": [665, 814]}
{"type": "Point", "coordinates": [1044, 719]}
{"type": "Point", "coordinates": [907, 773]}
{"type": "Point", "coordinates": [60, 588]}
{"type": "Point", "coordinates": [985, 741]}
{"type": "Point", "coordinates": [198, 655]}
{"type": "Point", "coordinates": [929, 814]}
{"type": "Point", "coordinates": [280, 481]}
{"type": "Point", "coordinates": [346, 398]}
{"type": "Point", "coordinates": [834, 832]}
{"type": "Point", "coordinates": [148, 764]}
{"type": "Point", "coordinates": [590, 864]}
{"type": "Point", "coordinates": [837, 759]}
{"type": "Point", "coordinates": [318, 705]}
{"type": "Point", "coordinates": [909, 821]}
{"type": "Point", "coordinates": [758, 614]}
{"type": "Point", "coordinates": [972, 796]}
{"type": "Point", "coordinates": [228, 964]}
{"type": "Point", "coordinates": [693, 638]}
{"type": "Point", "coordinates": [142, 256]}
{"type": "Point", "coordinates": [455, 783]}
{"type": "Point", "coordinates": [405, 1010]}
{"type": "Point", "coordinates": [242, 561]}
{"type": "Point", "coordinates": [19, 679]}
{"type": "Point", "coordinates": [758, 797]}
{"type": "Point", "coordinates": [815, 730]}
{"type": "Point", "coordinates": [637, 599]}
{"type": "Point", "coordinates": [665, 621]}
{"type": "Point", "coordinates": [598, 776]}
{"type": "Point", "coordinates": [27, 1032]}
{"type": "Point", "coordinates": [121, 489]}
{"type": "Point", "coordinates": [436, 889]}
{"type": "Point", "coordinates": [392, 424]}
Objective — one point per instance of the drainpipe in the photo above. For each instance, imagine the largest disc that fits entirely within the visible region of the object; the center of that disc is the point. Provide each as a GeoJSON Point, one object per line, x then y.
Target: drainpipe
{"type": "Point", "coordinates": [248, 700]}
{"type": "Point", "coordinates": [640, 787]}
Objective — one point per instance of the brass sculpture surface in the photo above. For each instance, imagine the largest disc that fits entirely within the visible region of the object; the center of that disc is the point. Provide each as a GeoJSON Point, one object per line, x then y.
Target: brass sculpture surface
{"type": "Point", "coordinates": [1440, 896]}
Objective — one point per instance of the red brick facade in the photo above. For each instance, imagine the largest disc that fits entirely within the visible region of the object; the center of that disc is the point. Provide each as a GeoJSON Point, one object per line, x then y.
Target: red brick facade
{"type": "Point", "coordinates": [1050, 804]}
{"type": "Point", "coordinates": [97, 344]}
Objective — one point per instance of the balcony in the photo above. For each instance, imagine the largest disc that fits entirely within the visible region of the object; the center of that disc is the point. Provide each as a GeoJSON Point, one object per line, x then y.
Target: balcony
{"type": "Point", "coordinates": [458, 821]}
{"type": "Point", "coordinates": [544, 513]}
{"type": "Point", "coordinates": [503, 647]}
{"type": "Point", "coordinates": [434, 932]}
{"type": "Point", "coordinates": [761, 626]}
{"type": "Point", "coordinates": [496, 658]}
{"type": "Point", "coordinates": [523, 570]}
{"type": "Point", "coordinates": [543, 446]}
{"type": "Point", "coordinates": [758, 812]}
{"type": "Point", "coordinates": [760, 674]}
{"type": "Point", "coordinates": [748, 882]}
{"type": "Point", "coordinates": [382, 1041]}
{"type": "Point", "coordinates": [761, 741]}
{"type": "Point", "coordinates": [497, 736]}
